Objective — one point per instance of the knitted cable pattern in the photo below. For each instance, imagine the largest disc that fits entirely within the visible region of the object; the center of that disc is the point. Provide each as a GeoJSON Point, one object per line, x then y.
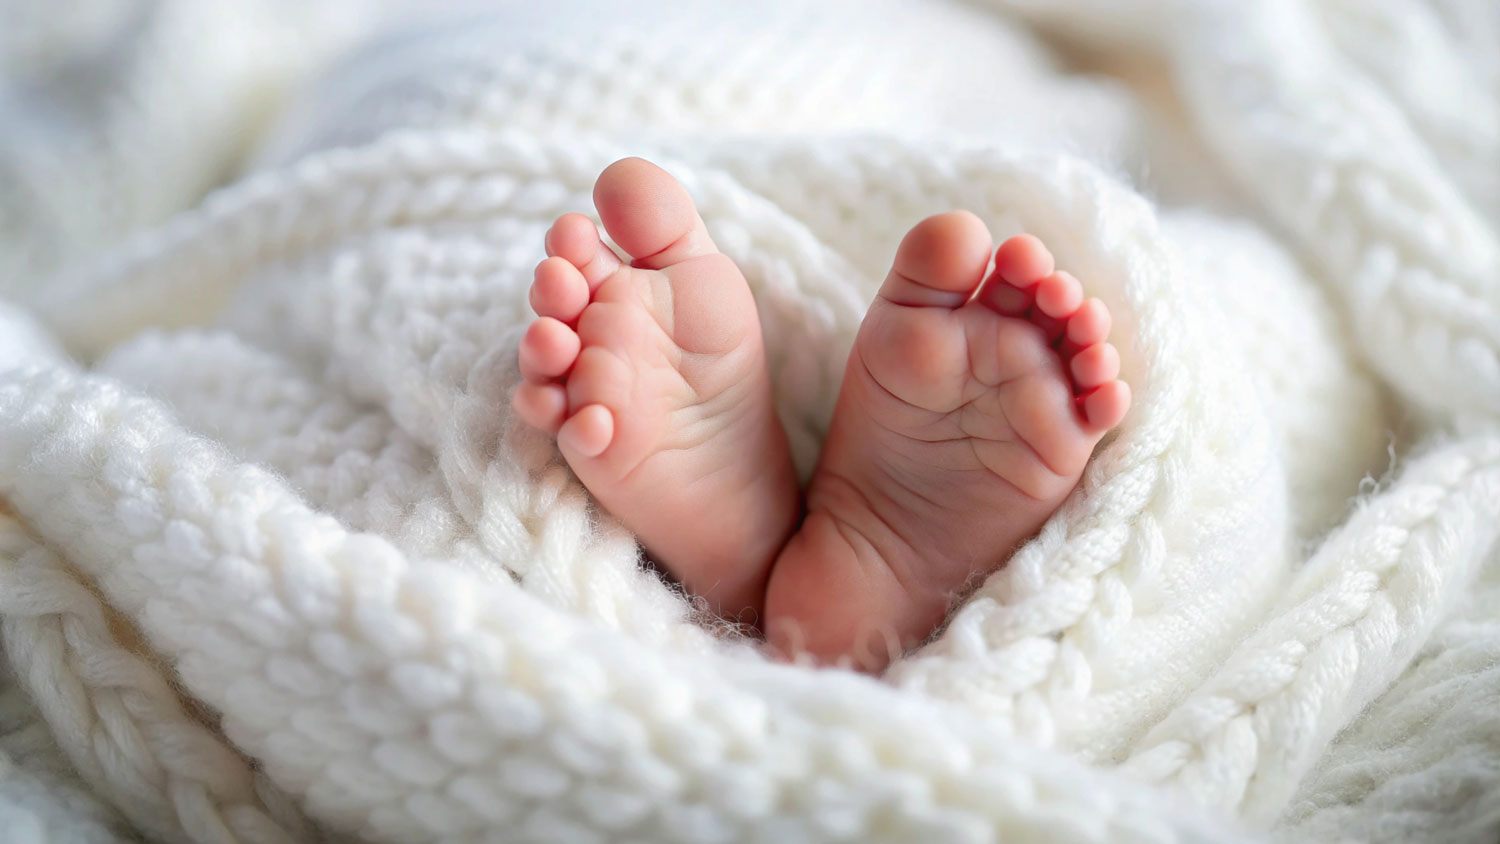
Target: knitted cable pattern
{"type": "Point", "coordinates": [123, 728]}
{"type": "Point", "coordinates": [278, 564]}
{"type": "Point", "coordinates": [41, 798]}
{"type": "Point", "coordinates": [1413, 259]}
{"type": "Point", "coordinates": [583, 729]}
{"type": "Point", "coordinates": [1422, 759]}
{"type": "Point", "coordinates": [1351, 619]}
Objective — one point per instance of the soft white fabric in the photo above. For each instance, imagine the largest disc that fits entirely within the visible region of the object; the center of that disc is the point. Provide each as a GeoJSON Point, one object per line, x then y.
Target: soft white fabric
{"type": "Point", "coordinates": [277, 564]}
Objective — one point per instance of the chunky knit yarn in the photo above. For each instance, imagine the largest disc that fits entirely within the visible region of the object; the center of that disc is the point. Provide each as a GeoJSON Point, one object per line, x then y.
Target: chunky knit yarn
{"type": "Point", "coordinates": [278, 565]}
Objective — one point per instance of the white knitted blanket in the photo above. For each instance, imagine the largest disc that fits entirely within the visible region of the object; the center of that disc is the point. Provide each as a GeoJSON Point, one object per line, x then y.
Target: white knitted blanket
{"type": "Point", "coordinates": [277, 564]}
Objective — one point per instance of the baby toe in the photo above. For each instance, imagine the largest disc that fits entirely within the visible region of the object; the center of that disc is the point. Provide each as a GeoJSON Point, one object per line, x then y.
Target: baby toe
{"type": "Point", "coordinates": [1105, 407]}
{"type": "Point", "coordinates": [558, 290]}
{"type": "Point", "coordinates": [1023, 260]}
{"type": "Point", "coordinates": [1094, 366]}
{"type": "Point", "coordinates": [571, 237]}
{"type": "Point", "coordinates": [939, 262]}
{"type": "Point", "coordinates": [587, 433]}
{"type": "Point", "coordinates": [650, 215]}
{"type": "Point", "coordinates": [599, 384]}
{"type": "Point", "coordinates": [547, 350]}
{"type": "Point", "coordinates": [575, 239]}
{"type": "Point", "coordinates": [599, 377]}
{"type": "Point", "coordinates": [1059, 295]}
{"type": "Point", "coordinates": [1039, 408]}
{"type": "Point", "coordinates": [540, 405]}
{"type": "Point", "coordinates": [1020, 264]}
{"type": "Point", "coordinates": [1088, 325]}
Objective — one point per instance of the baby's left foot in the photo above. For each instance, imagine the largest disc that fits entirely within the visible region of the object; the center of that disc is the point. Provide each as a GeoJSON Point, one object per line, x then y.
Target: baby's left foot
{"type": "Point", "coordinates": [968, 410]}
{"type": "Point", "coordinates": [652, 376]}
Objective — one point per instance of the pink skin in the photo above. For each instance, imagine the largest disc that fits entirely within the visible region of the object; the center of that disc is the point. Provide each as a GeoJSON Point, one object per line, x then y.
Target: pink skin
{"type": "Point", "coordinates": [652, 376]}
{"type": "Point", "coordinates": [969, 408]}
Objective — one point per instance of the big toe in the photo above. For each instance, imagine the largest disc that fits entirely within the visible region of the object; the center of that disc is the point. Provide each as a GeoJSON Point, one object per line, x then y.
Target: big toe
{"type": "Point", "coordinates": [940, 261]}
{"type": "Point", "coordinates": [649, 214]}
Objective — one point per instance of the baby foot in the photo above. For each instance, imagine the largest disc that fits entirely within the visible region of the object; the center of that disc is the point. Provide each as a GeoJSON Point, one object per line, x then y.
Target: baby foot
{"type": "Point", "coordinates": [653, 378]}
{"type": "Point", "coordinates": [963, 422]}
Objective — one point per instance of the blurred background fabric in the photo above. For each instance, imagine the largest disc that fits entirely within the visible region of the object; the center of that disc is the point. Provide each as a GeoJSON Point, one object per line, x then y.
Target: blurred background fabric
{"type": "Point", "coordinates": [263, 268]}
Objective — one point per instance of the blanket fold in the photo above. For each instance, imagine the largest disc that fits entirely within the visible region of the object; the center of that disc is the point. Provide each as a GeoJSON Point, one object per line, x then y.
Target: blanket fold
{"type": "Point", "coordinates": [278, 564]}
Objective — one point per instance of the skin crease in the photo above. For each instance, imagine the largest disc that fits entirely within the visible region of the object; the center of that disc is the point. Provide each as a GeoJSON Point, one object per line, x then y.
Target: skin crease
{"type": "Point", "coordinates": [975, 393]}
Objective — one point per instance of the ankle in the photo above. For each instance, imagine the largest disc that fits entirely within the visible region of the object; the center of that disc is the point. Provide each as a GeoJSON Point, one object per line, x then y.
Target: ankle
{"type": "Point", "coordinates": [732, 576]}
{"type": "Point", "coordinates": [829, 592]}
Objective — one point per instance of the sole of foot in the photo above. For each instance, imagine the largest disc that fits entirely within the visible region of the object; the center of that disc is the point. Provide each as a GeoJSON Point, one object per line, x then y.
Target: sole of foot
{"type": "Point", "coordinates": [974, 396]}
{"type": "Point", "coordinates": [650, 371]}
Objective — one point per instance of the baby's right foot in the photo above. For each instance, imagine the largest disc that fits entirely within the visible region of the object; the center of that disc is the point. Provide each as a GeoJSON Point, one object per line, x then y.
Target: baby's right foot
{"type": "Point", "coordinates": [652, 376]}
{"type": "Point", "coordinates": [964, 420]}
